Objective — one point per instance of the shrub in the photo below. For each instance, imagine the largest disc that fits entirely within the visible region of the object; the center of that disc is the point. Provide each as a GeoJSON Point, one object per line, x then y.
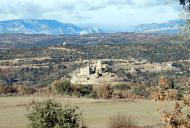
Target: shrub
{"type": "Point", "coordinates": [124, 94]}
{"type": "Point", "coordinates": [2, 88]}
{"type": "Point", "coordinates": [140, 91]}
{"type": "Point", "coordinates": [121, 90]}
{"type": "Point", "coordinates": [176, 118]}
{"type": "Point", "coordinates": [49, 114]}
{"type": "Point", "coordinates": [121, 121]}
{"type": "Point", "coordinates": [63, 87]}
{"type": "Point", "coordinates": [122, 87]}
{"type": "Point", "coordinates": [84, 90]}
{"type": "Point", "coordinates": [26, 90]}
{"type": "Point", "coordinates": [7, 89]}
{"type": "Point", "coordinates": [46, 91]}
{"type": "Point", "coordinates": [104, 92]}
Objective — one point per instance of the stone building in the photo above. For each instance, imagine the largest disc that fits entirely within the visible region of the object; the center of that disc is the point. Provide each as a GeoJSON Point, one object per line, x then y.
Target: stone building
{"type": "Point", "coordinates": [95, 73]}
{"type": "Point", "coordinates": [92, 68]}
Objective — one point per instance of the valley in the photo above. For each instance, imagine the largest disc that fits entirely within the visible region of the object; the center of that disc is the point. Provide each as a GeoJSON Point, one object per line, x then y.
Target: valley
{"type": "Point", "coordinates": [135, 59]}
{"type": "Point", "coordinates": [102, 74]}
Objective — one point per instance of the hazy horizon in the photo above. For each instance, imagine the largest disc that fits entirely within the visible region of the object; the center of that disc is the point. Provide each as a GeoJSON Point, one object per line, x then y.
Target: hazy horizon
{"type": "Point", "coordinates": [102, 13]}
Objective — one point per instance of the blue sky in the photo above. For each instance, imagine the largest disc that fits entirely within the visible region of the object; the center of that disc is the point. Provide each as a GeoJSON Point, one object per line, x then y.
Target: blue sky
{"type": "Point", "coordinates": [118, 13]}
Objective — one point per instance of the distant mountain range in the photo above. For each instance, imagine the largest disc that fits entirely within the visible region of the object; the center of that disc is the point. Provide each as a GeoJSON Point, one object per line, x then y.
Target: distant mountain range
{"type": "Point", "coordinates": [53, 27]}
{"type": "Point", "coordinates": [170, 27]}
{"type": "Point", "coordinates": [50, 27]}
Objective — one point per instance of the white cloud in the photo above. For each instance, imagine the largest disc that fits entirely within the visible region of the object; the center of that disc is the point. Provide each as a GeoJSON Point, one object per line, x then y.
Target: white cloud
{"type": "Point", "coordinates": [113, 12]}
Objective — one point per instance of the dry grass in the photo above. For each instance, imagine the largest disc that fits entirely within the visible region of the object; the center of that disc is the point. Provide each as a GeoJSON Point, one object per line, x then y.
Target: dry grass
{"type": "Point", "coordinates": [121, 121]}
{"type": "Point", "coordinates": [96, 112]}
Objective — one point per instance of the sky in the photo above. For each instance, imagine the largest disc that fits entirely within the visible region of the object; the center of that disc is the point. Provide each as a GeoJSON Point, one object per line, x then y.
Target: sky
{"type": "Point", "coordinates": [115, 13]}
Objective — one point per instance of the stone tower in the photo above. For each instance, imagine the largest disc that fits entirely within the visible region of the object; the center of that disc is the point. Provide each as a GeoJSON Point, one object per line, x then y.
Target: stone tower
{"type": "Point", "coordinates": [99, 67]}
{"type": "Point", "coordinates": [86, 71]}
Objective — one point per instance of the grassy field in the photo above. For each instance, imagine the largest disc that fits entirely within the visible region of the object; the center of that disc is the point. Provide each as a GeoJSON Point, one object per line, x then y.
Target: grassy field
{"type": "Point", "coordinates": [96, 112]}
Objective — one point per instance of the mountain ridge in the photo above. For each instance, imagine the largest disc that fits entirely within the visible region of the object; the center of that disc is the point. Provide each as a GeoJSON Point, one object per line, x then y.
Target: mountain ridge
{"type": "Point", "coordinates": [170, 27]}
{"type": "Point", "coordinates": [43, 26]}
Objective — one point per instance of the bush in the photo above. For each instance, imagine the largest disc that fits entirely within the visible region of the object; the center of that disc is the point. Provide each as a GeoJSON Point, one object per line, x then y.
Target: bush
{"type": "Point", "coordinates": [122, 87]}
{"type": "Point", "coordinates": [121, 121]}
{"type": "Point", "coordinates": [140, 91]}
{"type": "Point", "coordinates": [25, 90]}
{"type": "Point", "coordinates": [7, 89]}
{"type": "Point", "coordinates": [46, 91]}
{"type": "Point", "coordinates": [84, 90]}
{"type": "Point", "coordinates": [124, 94]}
{"type": "Point", "coordinates": [104, 92]}
{"type": "Point", "coordinates": [49, 114]}
{"type": "Point", "coordinates": [63, 87]}
{"type": "Point", "coordinates": [121, 90]}
{"type": "Point", "coordinates": [2, 88]}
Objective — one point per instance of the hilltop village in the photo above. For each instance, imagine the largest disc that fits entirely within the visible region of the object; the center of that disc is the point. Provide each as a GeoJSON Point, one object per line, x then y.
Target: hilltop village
{"type": "Point", "coordinates": [95, 73]}
{"type": "Point", "coordinates": [99, 72]}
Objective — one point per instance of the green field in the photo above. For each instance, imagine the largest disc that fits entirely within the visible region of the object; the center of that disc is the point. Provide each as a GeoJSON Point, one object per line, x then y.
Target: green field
{"type": "Point", "coordinates": [96, 112]}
